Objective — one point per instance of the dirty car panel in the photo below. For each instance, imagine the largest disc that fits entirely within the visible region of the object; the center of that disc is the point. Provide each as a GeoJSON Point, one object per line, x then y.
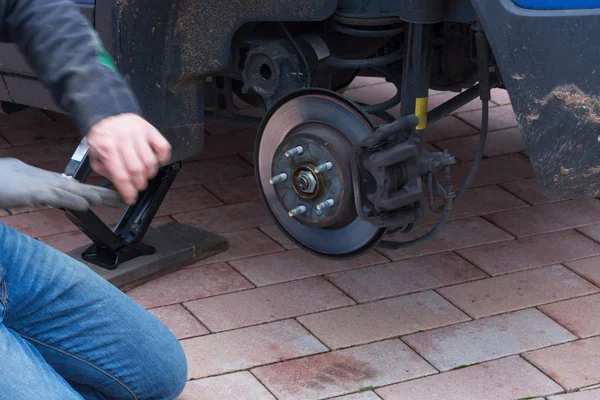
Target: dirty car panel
{"type": "Point", "coordinates": [550, 64]}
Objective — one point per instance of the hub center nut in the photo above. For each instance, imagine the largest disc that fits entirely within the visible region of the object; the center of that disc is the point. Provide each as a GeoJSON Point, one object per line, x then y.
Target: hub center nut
{"type": "Point", "coordinates": [306, 182]}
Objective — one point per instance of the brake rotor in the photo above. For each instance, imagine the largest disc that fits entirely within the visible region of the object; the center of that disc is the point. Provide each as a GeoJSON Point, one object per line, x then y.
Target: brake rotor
{"type": "Point", "coordinates": [303, 170]}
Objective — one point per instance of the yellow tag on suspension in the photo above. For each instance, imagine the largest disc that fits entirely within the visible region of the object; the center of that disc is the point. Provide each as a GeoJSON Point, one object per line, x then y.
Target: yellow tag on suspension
{"type": "Point", "coordinates": [421, 112]}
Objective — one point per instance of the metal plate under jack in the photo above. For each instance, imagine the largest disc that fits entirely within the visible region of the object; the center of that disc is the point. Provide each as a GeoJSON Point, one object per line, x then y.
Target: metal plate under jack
{"type": "Point", "coordinates": [176, 245]}
{"type": "Point", "coordinates": [293, 112]}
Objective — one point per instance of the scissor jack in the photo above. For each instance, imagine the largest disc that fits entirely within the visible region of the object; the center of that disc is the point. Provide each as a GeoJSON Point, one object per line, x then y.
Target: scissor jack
{"type": "Point", "coordinates": [120, 253]}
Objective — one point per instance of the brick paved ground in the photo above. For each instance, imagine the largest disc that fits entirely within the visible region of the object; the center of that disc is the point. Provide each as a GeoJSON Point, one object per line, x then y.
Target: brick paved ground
{"type": "Point", "coordinates": [503, 304]}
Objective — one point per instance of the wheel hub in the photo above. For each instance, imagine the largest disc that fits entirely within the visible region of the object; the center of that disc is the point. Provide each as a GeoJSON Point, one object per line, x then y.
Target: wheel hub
{"type": "Point", "coordinates": [303, 165]}
{"type": "Point", "coordinates": [316, 157]}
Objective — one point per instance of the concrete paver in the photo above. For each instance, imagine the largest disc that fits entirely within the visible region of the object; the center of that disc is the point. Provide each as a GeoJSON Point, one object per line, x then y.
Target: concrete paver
{"type": "Point", "coordinates": [548, 217]}
{"type": "Point", "coordinates": [343, 371]}
{"type": "Point", "coordinates": [454, 235]}
{"type": "Point", "coordinates": [251, 307]}
{"type": "Point", "coordinates": [179, 321]}
{"type": "Point", "coordinates": [529, 190]}
{"type": "Point", "coordinates": [248, 347]}
{"type": "Point", "coordinates": [531, 252]}
{"type": "Point", "coordinates": [297, 264]}
{"type": "Point", "coordinates": [517, 291]}
{"type": "Point", "coordinates": [216, 191]}
{"type": "Point", "coordinates": [573, 365]}
{"type": "Point", "coordinates": [189, 284]}
{"type": "Point", "coordinates": [382, 319]}
{"type": "Point", "coordinates": [236, 386]}
{"type": "Point", "coordinates": [359, 396]}
{"type": "Point", "coordinates": [244, 244]}
{"type": "Point", "coordinates": [487, 339]}
{"type": "Point", "coordinates": [401, 277]}
{"type": "Point", "coordinates": [582, 395]}
{"type": "Point", "coordinates": [581, 316]}
{"type": "Point", "coordinates": [508, 378]}
{"type": "Point", "coordinates": [498, 143]}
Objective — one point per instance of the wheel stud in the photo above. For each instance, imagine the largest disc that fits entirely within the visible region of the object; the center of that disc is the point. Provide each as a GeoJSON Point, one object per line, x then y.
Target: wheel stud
{"type": "Point", "coordinates": [296, 151]}
{"type": "Point", "coordinates": [324, 167]}
{"type": "Point", "coordinates": [278, 178]}
{"type": "Point", "coordinates": [326, 204]}
{"type": "Point", "coordinates": [297, 211]}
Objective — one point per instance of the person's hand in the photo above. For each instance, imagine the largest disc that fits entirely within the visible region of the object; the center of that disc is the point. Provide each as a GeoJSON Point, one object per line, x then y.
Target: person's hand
{"type": "Point", "coordinates": [127, 150]}
{"type": "Point", "coordinates": [22, 185]}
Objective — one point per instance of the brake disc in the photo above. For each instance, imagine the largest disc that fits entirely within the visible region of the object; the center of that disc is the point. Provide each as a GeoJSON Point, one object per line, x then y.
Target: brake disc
{"type": "Point", "coordinates": [303, 168]}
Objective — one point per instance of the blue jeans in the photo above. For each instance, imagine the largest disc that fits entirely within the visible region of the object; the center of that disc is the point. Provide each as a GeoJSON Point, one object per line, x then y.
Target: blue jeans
{"type": "Point", "coordinates": [66, 333]}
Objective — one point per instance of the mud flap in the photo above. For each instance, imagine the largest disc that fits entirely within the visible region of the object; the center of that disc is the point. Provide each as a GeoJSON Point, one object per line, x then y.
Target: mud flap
{"type": "Point", "coordinates": [550, 64]}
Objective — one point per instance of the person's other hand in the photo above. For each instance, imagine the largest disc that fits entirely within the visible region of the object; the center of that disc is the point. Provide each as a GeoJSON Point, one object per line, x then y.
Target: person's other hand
{"type": "Point", "coordinates": [23, 185]}
{"type": "Point", "coordinates": [127, 150]}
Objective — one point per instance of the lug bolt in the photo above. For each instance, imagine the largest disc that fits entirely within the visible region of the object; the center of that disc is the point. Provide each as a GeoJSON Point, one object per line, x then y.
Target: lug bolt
{"type": "Point", "coordinates": [326, 204]}
{"type": "Point", "coordinates": [324, 167]}
{"type": "Point", "coordinates": [278, 178]}
{"type": "Point", "coordinates": [297, 211]}
{"type": "Point", "coordinates": [294, 152]}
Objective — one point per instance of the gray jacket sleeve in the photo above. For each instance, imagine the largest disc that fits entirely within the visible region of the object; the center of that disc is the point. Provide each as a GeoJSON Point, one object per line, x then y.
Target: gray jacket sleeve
{"type": "Point", "coordinates": [68, 57]}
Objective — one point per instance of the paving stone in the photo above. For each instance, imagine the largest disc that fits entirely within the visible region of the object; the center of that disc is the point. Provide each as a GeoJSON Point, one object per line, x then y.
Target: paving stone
{"type": "Point", "coordinates": [447, 128]}
{"type": "Point", "coordinates": [45, 132]}
{"type": "Point", "coordinates": [297, 264]}
{"type": "Point", "coordinates": [343, 371]}
{"type": "Point", "coordinates": [179, 321]}
{"type": "Point", "coordinates": [25, 117]}
{"type": "Point", "coordinates": [275, 233]}
{"type": "Point", "coordinates": [572, 365]}
{"type": "Point", "coordinates": [68, 241]}
{"type": "Point", "coordinates": [236, 386]}
{"type": "Point", "coordinates": [501, 117]}
{"type": "Point", "coordinates": [359, 396]}
{"type": "Point", "coordinates": [402, 277]}
{"type": "Point", "coordinates": [382, 319]}
{"type": "Point", "coordinates": [435, 101]}
{"type": "Point", "coordinates": [248, 156]}
{"type": "Point", "coordinates": [40, 223]}
{"type": "Point", "coordinates": [189, 284]}
{"type": "Point", "coordinates": [251, 307]}
{"type": "Point", "coordinates": [186, 199]}
{"type": "Point", "coordinates": [508, 378]}
{"type": "Point", "coordinates": [216, 170]}
{"type": "Point", "coordinates": [453, 235]}
{"type": "Point", "coordinates": [529, 190]}
{"type": "Point", "coordinates": [548, 217]}
{"type": "Point", "coordinates": [487, 339]}
{"type": "Point", "coordinates": [4, 143]}
{"type": "Point", "coordinates": [60, 151]}
{"type": "Point", "coordinates": [498, 143]}
{"type": "Point", "coordinates": [244, 244]}
{"type": "Point", "coordinates": [588, 268]}
{"type": "Point", "coordinates": [361, 81]}
{"type": "Point", "coordinates": [234, 191]}
{"type": "Point", "coordinates": [591, 231]}
{"type": "Point", "coordinates": [531, 252]}
{"type": "Point", "coordinates": [582, 395]}
{"type": "Point", "coordinates": [581, 316]}
{"type": "Point", "coordinates": [494, 170]}
{"type": "Point", "coordinates": [227, 144]}
{"type": "Point", "coordinates": [249, 347]}
{"type": "Point", "coordinates": [500, 97]}
{"type": "Point", "coordinates": [517, 291]}
{"type": "Point", "coordinates": [372, 94]}
{"type": "Point", "coordinates": [480, 201]}
{"type": "Point", "coordinates": [229, 218]}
